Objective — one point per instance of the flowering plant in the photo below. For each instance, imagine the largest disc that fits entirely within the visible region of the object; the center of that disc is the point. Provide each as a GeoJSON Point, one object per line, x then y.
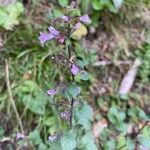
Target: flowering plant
{"type": "Point", "coordinates": [75, 113]}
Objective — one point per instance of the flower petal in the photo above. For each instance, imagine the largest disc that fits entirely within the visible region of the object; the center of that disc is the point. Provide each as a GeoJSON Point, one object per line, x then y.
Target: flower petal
{"type": "Point", "coordinates": [45, 37]}
{"type": "Point", "coordinates": [53, 31]}
{"type": "Point", "coordinates": [20, 136]}
{"type": "Point", "coordinates": [52, 92]}
{"type": "Point", "coordinates": [74, 69]}
{"type": "Point", "coordinates": [61, 40]}
{"type": "Point", "coordinates": [65, 18]}
{"type": "Point", "coordinates": [85, 19]}
{"type": "Point", "coordinates": [52, 138]}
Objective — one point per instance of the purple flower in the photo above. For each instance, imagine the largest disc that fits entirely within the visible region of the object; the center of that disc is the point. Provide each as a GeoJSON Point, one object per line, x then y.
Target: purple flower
{"type": "Point", "coordinates": [65, 115]}
{"type": "Point", "coordinates": [73, 4]}
{"type": "Point", "coordinates": [53, 31]}
{"type": "Point", "coordinates": [74, 69]}
{"type": "Point", "coordinates": [52, 92]}
{"type": "Point", "coordinates": [61, 40]}
{"type": "Point", "coordinates": [20, 136]}
{"type": "Point", "coordinates": [45, 37]}
{"type": "Point", "coordinates": [52, 138]}
{"type": "Point", "coordinates": [85, 19]}
{"type": "Point", "coordinates": [65, 18]}
{"type": "Point", "coordinates": [77, 25]}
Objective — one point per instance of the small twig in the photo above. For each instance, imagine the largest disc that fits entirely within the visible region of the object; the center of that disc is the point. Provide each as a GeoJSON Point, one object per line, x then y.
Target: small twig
{"type": "Point", "coordinates": [140, 130]}
{"type": "Point", "coordinates": [11, 97]}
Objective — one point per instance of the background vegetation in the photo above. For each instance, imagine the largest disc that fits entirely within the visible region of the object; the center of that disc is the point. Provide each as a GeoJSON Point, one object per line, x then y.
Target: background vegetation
{"type": "Point", "coordinates": [117, 37]}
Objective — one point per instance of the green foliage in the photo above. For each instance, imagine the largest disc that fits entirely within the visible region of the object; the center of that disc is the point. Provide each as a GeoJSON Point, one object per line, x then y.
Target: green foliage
{"type": "Point", "coordinates": [26, 55]}
{"type": "Point", "coordinates": [83, 75]}
{"type": "Point", "coordinates": [33, 97]}
{"type": "Point", "coordinates": [87, 142]}
{"type": "Point", "coordinates": [110, 145]}
{"type": "Point", "coordinates": [117, 117]}
{"type": "Point", "coordinates": [83, 115]}
{"type": "Point", "coordinates": [97, 5]}
{"type": "Point", "coordinates": [63, 3]}
{"type": "Point", "coordinates": [145, 139]}
{"type": "Point", "coordinates": [130, 144]}
{"type": "Point", "coordinates": [145, 67]}
{"type": "Point", "coordinates": [68, 141]}
{"type": "Point", "coordinates": [136, 113]}
{"type": "Point", "coordinates": [34, 137]}
{"type": "Point", "coordinates": [1, 131]}
{"type": "Point", "coordinates": [71, 91]}
{"type": "Point", "coordinates": [9, 15]}
{"type": "Point", "coordinates": [74, 90]}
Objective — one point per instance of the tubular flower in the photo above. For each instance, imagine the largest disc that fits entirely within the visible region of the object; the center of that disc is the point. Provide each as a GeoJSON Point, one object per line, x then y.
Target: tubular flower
{"type": "Point", "coordinates": [45, 37]}
{"type": "Point", "coordinates": [85, 19]}
{"type": "Point", "coordinates": [53, 31]}
{"type": "Point", "coordinates": [74, 69]}
{"type": "Point", "coordinates": [52, 92]}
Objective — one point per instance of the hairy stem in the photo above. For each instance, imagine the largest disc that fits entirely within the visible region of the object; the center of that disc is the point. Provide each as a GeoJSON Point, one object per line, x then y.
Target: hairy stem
{"type": "Point", "coordinates": [69, 55]}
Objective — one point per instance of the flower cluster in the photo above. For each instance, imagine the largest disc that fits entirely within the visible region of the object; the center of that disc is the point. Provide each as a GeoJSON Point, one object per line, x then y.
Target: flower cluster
{"type": "Point", "coordinates": [65, 115]}
{"type": "Point", "coordinates": [53, 34]}
{"type": "Point", "coordinates": [57, 35]}
{"type": "Point", "coordinates": [61, 37]}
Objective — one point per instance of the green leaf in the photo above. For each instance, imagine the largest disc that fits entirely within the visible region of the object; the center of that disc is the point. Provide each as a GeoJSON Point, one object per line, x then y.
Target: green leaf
{"type": "Point", "coordinates": [121, 116]}
{"type": "Point", "coordinates": [1, 131]}
{"type": "Point", "coordinates": [68, 141]}
{"type": "Point", "coordinates": [74, 90]}
{"type": "Point", "coordinates": [83, 75]}
{"type": "Point", "coordinates": [110, 145]}
{"type": "Point", "coordinates": [130, 144]}
{"type": "Point", "coordinates": [113, 112]}
{"type": "Point", "coordinates": [83, 115]}
{"type": "Point", "coordinates": [121, 141]}
{"type": "Point", "coordinates": [57, 13]}
{"type": "Point", "coordinates": [97, 5]}
{"type": "Point", "coordinates": [34, 137]}
{"type": "Point", "coordinates": [49, 121]}
{"type": "Point", "coordinates": [32, 97]}
{"type": "Point", "coordinates": [63, 3]}
{"type": "Point", "coordinates": [56, 145]}
{"type": "Point", "coordinates": [122, 127]}
{"type": "Point", "coordinates": [42, 146]}
{"type": "Point", "coordinates": [87, 142]}
{"type": "Point", "coordinates": [145, 137]}
{"type": "Point", "coordinates": [118, 3]}
{"type": "Point", "coordinates": [9, 15]}
{"type": "Point", "coordinates": [28, 86]}
{"type": "Point", "coordinates": [80, 63]}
